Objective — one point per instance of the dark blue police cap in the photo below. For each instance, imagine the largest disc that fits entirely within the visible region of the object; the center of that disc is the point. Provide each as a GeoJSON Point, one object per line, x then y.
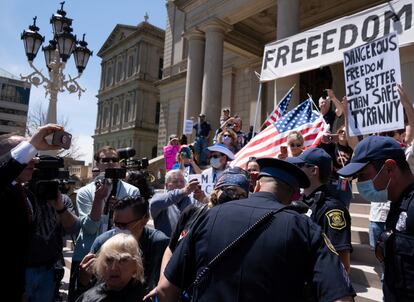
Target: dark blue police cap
{"type": "Point", "coordinates": [317, 157]}
{"type": "Point", "coordinates": [370, 149]}
{"type": "Point", "coordinates": [283, 171]}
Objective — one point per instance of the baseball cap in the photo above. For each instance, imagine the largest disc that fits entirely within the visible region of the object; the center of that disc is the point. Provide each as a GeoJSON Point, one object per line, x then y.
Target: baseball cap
{"type": "Point", "coordinates": [222, 149]}
{"type": "Point", "coordinates": [283, 171]}
{"type": "Point", "coordinates": [370, 149]}
{"type": "Point", "coordinates": [317, 157]}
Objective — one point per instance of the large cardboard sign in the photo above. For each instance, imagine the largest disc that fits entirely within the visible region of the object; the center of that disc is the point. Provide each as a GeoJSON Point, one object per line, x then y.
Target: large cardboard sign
{"type": "Point", "coordinates": [372, 72]}
{"type": "Point", "coordinates": [324, 45]}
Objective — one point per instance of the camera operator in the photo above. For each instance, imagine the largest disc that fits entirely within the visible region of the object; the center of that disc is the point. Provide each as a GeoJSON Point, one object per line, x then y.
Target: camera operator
{"type": "Point", "coordinates": [92, 200]}
{"type": "Point", "coordinates": [16, 168]}
{"type": "Point", "coordinates": [53, 217]}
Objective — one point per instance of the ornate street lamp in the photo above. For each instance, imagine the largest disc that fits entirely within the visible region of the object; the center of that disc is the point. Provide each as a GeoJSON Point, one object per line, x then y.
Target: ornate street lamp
{"type": "Point", "coordinates": [57, 53]}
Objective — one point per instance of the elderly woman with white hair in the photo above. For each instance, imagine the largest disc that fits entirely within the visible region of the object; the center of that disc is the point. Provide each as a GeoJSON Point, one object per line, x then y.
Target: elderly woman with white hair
{"type": "Point", "coordinates": [119, 270]}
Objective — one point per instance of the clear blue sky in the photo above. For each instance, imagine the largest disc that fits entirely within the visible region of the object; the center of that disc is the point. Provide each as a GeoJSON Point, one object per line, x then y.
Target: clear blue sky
{"type": "Point", "coordinates": [95, 18]}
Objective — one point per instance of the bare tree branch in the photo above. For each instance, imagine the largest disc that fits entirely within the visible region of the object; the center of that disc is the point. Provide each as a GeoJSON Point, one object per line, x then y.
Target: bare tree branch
{"type": "Point", "coordinates": [37, 118]}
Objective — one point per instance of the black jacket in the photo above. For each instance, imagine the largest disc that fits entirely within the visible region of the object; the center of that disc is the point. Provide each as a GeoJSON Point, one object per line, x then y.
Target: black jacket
{"type": "Point", "coordinates": [15, 227]}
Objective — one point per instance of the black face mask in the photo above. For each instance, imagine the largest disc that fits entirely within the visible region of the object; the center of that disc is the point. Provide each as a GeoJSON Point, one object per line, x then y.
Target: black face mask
{"type": "Point", "coordinates": [228, 195]}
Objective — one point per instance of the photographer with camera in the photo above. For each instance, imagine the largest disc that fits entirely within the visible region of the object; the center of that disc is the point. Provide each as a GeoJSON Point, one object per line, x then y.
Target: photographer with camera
{"type": "Point", "coordinates": [16, 168]}
{"type": "Point", "coordinates": [95, 202]}
{"type": "Point", "coordinates": [53, 216]}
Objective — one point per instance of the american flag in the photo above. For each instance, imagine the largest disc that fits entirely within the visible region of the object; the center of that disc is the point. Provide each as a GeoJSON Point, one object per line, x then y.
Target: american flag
{"type": "Point", "coordinates": [267, 143]}
{"type": "Point", "coordinates": [280, 109]}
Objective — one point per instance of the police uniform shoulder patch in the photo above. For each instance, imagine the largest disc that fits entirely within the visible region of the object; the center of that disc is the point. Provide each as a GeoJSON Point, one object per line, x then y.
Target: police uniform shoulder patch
{"type": "Point", "coordinates": [336, 219]}
{"type": "Point", "coordinates": [329, 243]}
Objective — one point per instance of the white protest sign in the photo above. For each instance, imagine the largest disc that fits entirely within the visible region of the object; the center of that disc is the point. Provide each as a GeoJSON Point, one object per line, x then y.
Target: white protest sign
{"type": "Point", "coordinates": [324, 45]}
{"type": "Point", "coordinates": [372, 72]}
{"type": "Point", "coordinates": [205, 181]}
{"type": "Point", "coordinates": [188, 127]}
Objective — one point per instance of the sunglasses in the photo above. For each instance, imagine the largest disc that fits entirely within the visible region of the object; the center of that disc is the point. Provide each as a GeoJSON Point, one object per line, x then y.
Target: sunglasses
{"type": "Point", "coordinates": [226, 135]}
{"type": "Point", "coordinates": [341, 131]}
{"type": "Point", "coordinates": [216, 156]}
{"type": "Point", "coordinates": [124, 225]}
{"type": "Point", "coordinates": [109, 159]}
{"type": "Point", "coordinates": [295, 145]}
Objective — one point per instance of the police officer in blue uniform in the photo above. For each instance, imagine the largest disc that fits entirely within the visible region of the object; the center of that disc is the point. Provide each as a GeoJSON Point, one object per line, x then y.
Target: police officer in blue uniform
{"type": "Point", "coordinates": [271, 263]}
{"type": "Point", "coordinates": [325, 210]}
{"type": "Point", "coordinates": [383, 174]}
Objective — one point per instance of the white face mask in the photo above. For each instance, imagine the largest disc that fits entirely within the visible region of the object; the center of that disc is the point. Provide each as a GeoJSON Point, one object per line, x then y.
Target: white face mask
{"type": "Point", "coordinates": [215, 162]}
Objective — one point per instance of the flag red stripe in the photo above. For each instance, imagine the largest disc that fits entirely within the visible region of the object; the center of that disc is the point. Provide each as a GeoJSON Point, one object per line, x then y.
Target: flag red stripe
{"type": "Point", "coordinates": [267, 143]}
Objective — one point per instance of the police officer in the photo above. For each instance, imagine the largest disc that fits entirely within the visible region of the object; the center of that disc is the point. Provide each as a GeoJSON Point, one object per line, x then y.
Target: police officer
{"type": "Point", "coordinates": [383, 174]}
{"type": "Point", "coordinates": [272, 263]}
{"type": "Point", "coordinates": [325, 210]}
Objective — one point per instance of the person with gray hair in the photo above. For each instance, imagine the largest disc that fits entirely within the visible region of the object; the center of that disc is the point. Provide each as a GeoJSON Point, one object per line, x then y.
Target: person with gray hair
{"type": "Point", "coordinates": [120, 271]}
{"type": "Point", "coordinates": [165, 208]}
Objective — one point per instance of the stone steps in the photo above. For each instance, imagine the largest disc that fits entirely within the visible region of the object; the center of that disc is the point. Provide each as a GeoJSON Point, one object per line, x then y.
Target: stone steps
{"type": "Point", "coordinates": [365, 271]}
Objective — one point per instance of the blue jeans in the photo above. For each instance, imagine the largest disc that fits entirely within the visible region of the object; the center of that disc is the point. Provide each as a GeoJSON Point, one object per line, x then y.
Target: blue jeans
{"type": "Point", "coordinates": [375, 230]}
{"type": "Point", "coordinates": [200, 146]}
{"type": "Point", "coordinates": [40, 284]}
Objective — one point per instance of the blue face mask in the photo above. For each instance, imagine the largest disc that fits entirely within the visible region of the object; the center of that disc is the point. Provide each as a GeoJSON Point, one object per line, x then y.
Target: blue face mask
{"type": "Point", "coordinates": [367, 190]}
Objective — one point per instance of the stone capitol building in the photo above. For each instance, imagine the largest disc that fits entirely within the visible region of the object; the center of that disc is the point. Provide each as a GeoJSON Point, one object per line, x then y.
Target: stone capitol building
{"type": "Point", "coordinates": [128, 101]}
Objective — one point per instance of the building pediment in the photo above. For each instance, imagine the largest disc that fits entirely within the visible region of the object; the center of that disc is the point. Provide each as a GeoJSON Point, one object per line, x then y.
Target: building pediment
{"type": "Point", "coordinates": [119, 33]}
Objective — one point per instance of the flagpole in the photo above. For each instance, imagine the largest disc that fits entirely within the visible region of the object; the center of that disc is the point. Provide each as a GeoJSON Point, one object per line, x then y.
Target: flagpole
{"type": "Point", "coordinates": [317, 109]}
{"type": "Point", "coordinates": [278, 104]}
{"type": "Point", "coordinates": [259, 96]}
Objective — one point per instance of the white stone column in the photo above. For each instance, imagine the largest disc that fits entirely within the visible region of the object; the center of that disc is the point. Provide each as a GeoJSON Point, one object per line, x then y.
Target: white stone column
{"type": "Point", "coordinates": [287, 25]}
{"type": "Point", "coordinates": [213, 72]}
{"type": "Point", "coordinates": [194, 80]}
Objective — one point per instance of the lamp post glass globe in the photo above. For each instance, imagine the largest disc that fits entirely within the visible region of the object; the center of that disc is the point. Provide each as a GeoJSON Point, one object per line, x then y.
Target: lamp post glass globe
{"type": "Point", "coordinates": [66, 43]}
{"type": "Point", "coordinates": [32, 40]}
{"type": "Point", "coordinates": [59, 20]}
{"type": "Point", "coordinates": [82, 55]}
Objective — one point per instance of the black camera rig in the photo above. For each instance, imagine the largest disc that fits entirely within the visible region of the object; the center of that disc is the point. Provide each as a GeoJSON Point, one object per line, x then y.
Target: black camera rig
{"type": "Point", "coordinates": [48, 177]}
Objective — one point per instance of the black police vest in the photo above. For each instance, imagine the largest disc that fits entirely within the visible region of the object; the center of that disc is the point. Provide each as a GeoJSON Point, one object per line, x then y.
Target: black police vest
{"type": "Point", "coordinates": [399, 250]}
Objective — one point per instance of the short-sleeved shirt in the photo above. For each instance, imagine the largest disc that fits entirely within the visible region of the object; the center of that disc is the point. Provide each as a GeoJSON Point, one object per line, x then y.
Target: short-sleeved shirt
{"type": "Point", "coordinates": [275, 262]}
{"type": "Point", "coordinates": [152, 244]}
{"type": "Point", "coordinates": [332, 216]}
{"type": "Point", "coordinates": [399, 255]}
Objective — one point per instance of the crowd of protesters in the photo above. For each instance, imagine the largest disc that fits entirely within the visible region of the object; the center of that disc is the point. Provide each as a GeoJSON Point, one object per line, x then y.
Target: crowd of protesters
{"type": "Point", "coordinates": [117, 256]}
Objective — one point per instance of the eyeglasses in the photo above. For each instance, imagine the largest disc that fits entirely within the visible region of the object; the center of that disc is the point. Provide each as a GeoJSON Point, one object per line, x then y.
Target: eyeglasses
{"type": "Point", "coordinates": [109, 159]}
{"type": "Point", "coordinates": [341, 131]}
{"type": "Point", "coordinates": [216, 155]}
{"type": "Point", "coordinates": [124, 225]}
{"type": "Point", "coordinates": [226, 135]}
{"type": "Point", "coordinates": [295, 145]}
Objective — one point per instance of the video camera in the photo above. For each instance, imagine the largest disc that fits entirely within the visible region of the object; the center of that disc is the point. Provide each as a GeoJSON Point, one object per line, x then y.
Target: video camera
{"type": "Point", "coordinates": [137, 171]}
{"type": "Point", "coordinates": [48, 177]}
{"type": "Point", "coordinates": [126, 156]}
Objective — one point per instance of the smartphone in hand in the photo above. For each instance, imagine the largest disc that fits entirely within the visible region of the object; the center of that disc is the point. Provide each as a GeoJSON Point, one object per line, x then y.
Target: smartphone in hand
{"type": "Point", "coordinates": [283, 150]}
{"type": "Point", "coordinates": [62, 139]}
{"type": "Point", "coordinates": [330, 138]}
